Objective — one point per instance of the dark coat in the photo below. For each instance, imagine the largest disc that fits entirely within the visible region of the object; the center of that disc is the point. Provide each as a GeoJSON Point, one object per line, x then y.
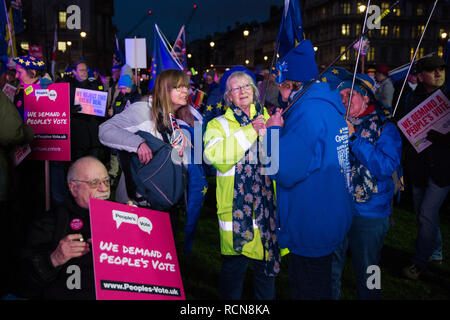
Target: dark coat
{"type": "Point", "coordinates": [38, 277]}
{"type": "Point", "coordinates": [433, 162]}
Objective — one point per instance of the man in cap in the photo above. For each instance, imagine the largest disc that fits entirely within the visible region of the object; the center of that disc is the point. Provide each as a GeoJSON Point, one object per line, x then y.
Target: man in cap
{"type": "Point", "coordinates": [428, 171]}
{"type": "Point", "coordinates": [375, 151]}
{"type": "Point", "coordinates": [385, 88]}
{"type": "Point", "coordinates": [314, 204]}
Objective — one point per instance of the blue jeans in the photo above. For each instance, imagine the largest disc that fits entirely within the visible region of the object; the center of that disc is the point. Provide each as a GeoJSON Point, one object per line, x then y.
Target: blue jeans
{"type": "Point", "coordinates": [310, 278]}
{"type": "Point", "coordinates": [427, 203]}
{"type": "Point", "coordinates": [365, 241]}
{"type": "Point", "coordinates": [232, 277]}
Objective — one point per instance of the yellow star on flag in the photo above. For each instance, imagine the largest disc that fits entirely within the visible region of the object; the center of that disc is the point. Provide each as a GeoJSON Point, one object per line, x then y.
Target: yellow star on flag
{"type": "Point", "coordinates": [335, 71]}
{"type": "Point", "coordinates": [209, 108]}
{"type": "Point", "coordinates": [219, 105]}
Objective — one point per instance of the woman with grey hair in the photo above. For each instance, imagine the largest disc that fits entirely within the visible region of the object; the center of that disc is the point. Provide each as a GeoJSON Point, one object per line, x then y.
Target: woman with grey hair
{"type": "Point", "coordinates": [245, 198]}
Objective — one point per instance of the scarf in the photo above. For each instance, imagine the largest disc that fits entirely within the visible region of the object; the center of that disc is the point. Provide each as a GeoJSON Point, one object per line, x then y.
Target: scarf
{"type": "Point", "coordinates": [364, 184]}
{"type": "Point", "coordinates": [254, 195]}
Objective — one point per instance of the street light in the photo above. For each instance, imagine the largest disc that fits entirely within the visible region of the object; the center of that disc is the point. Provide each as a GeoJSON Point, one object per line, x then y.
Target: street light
{"type": "Point", "coordinates": [362, 8]}
{"type": "Point", "coordinates": [247, 61]}
{"type": "Point", "coordinates": [444, 35]}
{"type": "Point", "coordinates": [189, 55]}
{"type": "Point", "coordinates": [69, 43]}
{"type": "Point", "coordinates": [83, 35]}
{"type": "Point", "coordinates": [212, 44]}
{"type": "Point", "coordinates": [246, 33]}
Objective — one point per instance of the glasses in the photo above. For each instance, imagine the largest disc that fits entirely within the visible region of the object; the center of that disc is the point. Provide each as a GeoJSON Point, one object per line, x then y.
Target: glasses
{"type": "Point", "coordinates": [180, 88]}
{"type": "Point", "coordinates": [96, 182]}
{"type": "Point", "coordinates": [245, 87]}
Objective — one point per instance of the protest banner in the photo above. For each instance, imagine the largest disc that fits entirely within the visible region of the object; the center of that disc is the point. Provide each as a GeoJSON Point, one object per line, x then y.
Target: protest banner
{"type": "Point", "coordinates": [10, 91]}
{"type": "Point", "coordinates": [432, 113]}
{"type": "Point", "coordinates": [36, 51]}
{"type": "Point", "coordinates": [136, 53]}
{"type": "Point", "coordinates": [134, 253]}
{"type": "Point", "coordinates": [47, 112]}
{"type": "Point", "coordinates": [92, 102]}
{"type": "Point", "coordinates": [20, 153]}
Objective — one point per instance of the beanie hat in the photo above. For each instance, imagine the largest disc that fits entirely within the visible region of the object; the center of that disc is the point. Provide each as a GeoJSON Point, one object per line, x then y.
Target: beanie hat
{"type": "Point", "coordinates": [298, 64]}
{"type": "Point", "coordinates": [125, 81]}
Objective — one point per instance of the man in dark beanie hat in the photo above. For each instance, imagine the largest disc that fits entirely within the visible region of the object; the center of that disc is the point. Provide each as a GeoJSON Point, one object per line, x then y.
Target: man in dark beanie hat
{"type": "Point", "coordinates": [385, 89]}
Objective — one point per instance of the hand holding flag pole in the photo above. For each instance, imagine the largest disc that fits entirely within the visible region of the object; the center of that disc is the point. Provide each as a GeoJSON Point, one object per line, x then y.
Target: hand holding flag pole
{"type": "Point", "coordinates": [385, 13]}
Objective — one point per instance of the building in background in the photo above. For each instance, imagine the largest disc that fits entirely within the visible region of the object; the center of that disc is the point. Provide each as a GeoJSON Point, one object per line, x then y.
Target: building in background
{"type": "Point", "coordinates": [332, 25]}
{"type": "Point", "coordinates": [41, 17]}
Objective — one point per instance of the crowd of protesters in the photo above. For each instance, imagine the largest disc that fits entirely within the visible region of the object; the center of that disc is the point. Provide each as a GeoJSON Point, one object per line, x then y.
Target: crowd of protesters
{"type": "Point", "coordinates": [338, 155]}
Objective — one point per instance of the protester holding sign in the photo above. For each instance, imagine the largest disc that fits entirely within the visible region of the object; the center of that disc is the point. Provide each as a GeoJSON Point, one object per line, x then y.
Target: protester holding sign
{"type": "Point", "coordinates": [375, 151]}
{"type": "Point", "coordinates": [429, 170]}
{"type": "Point", "coordinates": [57, 259]}
{"type": "Point", "coordinates": [84, 128]}
{"type": "Point", "coordinates": [246, 205]}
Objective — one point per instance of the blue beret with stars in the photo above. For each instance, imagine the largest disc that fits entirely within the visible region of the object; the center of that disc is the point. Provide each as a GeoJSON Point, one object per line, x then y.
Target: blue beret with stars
{"type": "Point", "coordinates": [30, 62]}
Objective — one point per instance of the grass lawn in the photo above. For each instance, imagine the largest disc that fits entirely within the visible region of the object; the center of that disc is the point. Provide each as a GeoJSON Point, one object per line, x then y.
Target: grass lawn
{"type": "Point", "coordinates": [200, 270]}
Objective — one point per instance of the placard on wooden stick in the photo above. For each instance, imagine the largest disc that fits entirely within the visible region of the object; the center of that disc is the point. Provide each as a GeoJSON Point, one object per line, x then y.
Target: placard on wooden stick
{"type": "Point", "coordinates": [136, 53]}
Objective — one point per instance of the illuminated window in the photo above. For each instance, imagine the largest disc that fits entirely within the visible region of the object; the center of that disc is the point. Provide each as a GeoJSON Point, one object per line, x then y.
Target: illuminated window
{"type": "Point", "coordinates": [346, 8]}
{"type": "Point", "coordinates": [345, 29]}
{"type": "Point", "coordinates": [62, 46]}
{"type": "Point", "coordinates": [344, 56]}
{"type": "Point", "coordinates": [411, 54]}
{"type": "Point", "coordinates": [384, 6]}
{"type": "Point", "coordinates": [420, 30]}
{"type": "Point", "coordinates": [323, 12]}
{"type": "Point", "coordinates": [358, 29]}
{"type": "Point", "coordinates": [371, 54]}
{"type": "Point", "coordinates": [397, 12]}
{"type": "Point", "coordinates": [62, 19]}
{"type": "Point", "coordinates": [419, 10]}
{"type": "Point", "coordinates": [420, 54]}
{"type": "Point", "coordinates": [25, 46]}
{"type": "Point", "coordinates": [441, 51]}
{"type": "Point", "coordinates": [384, 31]}
{"type": "Point", "coordinates": [396, 32]}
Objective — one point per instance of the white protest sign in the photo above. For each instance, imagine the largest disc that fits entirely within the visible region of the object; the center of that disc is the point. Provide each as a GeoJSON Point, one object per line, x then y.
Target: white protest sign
{"type": "Point", "coordinates": [92, 102]}
{"type": "Point", "coordinates": [10, 91]}
{"type": "Point", "coordinates": [136, 53]}
{"type": "Point", "coordinates": [432, 113]}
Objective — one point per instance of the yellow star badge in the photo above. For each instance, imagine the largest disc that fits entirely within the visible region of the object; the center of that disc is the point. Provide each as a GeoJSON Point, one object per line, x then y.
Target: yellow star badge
{"type": "Point", "coordinates": [205, 189]}
{"type": "Point", "coordinates": [335, 71]}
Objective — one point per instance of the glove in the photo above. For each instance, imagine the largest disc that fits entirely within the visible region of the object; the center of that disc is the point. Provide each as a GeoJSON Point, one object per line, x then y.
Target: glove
{"type": "Point", "coordinates": [438, 138]}
{"type": "Point", "coordinates": [75, 108]}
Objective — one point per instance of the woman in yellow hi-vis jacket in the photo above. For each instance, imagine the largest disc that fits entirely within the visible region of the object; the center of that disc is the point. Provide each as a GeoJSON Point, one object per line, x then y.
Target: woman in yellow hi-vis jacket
{"type": "Point", "coordinates": [245, 197]}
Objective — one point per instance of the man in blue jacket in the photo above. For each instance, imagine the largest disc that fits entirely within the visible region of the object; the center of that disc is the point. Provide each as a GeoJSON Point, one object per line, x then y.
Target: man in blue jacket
{"type": "Point", "coordinates": [375, 152]}
{"type": "Point", "coordinates": [314, 205]}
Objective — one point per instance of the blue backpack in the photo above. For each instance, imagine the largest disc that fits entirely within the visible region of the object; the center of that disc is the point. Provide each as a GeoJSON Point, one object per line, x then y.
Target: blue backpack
{"type": "Point", "coordinates": [161, 181]}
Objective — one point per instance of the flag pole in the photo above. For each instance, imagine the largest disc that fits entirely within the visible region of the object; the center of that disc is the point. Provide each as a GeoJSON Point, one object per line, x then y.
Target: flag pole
{"type": "Point", "coordinates": [413, 59]}
{"type": "Point", "coordinates": [357, 59]}
{"type": "Point", "coordinates": [385, 13]}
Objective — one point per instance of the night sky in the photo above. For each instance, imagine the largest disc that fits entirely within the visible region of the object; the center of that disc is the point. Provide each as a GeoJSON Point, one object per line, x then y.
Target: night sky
{"type": "Point", "coordinates": [170, 15]}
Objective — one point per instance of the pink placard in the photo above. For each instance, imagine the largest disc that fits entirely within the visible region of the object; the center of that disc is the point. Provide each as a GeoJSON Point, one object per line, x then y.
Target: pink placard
{"type": "Point", "coordinates": [432, 113]}
{"type": "Point", "coordinates": [47, 112]}
{"type": "Point", "coordinates": [134, 253]}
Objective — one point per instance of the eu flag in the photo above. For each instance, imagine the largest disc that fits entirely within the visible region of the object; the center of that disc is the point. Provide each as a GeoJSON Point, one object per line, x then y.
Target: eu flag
{"type": "Point", "coordinates": [162, 59]}
{"type": "Point", "coordinates": [291, 27]}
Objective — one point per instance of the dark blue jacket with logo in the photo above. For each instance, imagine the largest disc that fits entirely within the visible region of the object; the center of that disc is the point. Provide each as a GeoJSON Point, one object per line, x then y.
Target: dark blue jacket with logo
{"type": "Point", "coordinates": [314, 203]}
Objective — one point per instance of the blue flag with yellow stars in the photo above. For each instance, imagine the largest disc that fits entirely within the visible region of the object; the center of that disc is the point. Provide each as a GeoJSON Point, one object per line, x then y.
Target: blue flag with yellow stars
{"type": "Point", "coordinates": [197, 186]}
{"type": "Point", "coordinates": [162, 58]}
{"type": "Point", "coordinates": [291, 27]}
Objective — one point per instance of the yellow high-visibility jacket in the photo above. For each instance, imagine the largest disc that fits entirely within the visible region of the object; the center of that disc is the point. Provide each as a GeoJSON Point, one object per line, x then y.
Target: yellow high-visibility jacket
{"type": "Point", "coordinates": [225, 144]}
